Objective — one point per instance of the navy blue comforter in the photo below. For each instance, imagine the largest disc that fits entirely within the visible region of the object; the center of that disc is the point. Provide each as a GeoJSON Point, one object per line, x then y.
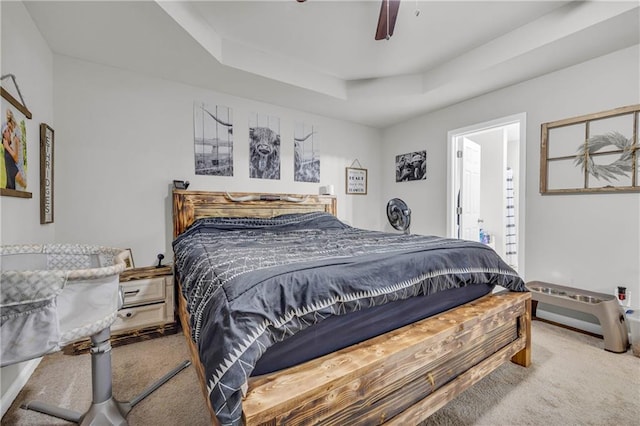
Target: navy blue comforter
{"type": "Point", "coordinates": [250, 283]}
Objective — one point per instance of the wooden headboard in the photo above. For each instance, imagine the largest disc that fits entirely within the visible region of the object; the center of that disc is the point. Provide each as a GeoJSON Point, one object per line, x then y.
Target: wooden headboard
{"type": "Point", "coordinates": [189, 206]}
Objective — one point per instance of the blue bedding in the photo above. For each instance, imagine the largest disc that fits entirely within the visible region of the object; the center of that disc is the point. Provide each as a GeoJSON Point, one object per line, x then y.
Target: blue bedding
{"type": "Point", "coordinates": [251, 283]}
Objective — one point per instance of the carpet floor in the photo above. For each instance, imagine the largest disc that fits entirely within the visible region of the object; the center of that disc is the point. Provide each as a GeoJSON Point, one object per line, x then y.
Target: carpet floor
{"type": "Point", "coordinates": [572, 381]}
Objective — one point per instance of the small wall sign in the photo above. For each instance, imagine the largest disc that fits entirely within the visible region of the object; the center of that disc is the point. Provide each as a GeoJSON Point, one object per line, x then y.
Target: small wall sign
{"type": "Point", "coordinates": [356, 181]}
{"type": "Point", "coordinates": [46, 174]}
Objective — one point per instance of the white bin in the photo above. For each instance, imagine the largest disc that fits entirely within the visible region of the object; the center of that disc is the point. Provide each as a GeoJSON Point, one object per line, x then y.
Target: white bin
{"type": "Point", "coordinates": [634, 326]}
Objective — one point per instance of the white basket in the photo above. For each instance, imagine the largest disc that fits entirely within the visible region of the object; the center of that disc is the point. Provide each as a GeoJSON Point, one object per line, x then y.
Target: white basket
{"type": "Point", "coordinates": [634, 327]}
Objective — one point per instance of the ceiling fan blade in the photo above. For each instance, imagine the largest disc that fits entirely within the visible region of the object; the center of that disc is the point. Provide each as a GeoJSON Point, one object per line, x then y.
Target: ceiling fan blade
{"type": "Point", "coordinates": [386, 26]}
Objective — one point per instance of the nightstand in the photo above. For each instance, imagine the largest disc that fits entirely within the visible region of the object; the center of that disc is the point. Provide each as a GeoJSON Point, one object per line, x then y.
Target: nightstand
{"type": "Point", "coordinates": [148, 310]}
{"type": "Point", "coordinates": [148, 299]}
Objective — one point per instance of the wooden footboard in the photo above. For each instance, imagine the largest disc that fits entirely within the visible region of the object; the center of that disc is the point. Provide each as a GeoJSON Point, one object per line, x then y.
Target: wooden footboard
{"type": "Point", "coordinates": [401, 377]}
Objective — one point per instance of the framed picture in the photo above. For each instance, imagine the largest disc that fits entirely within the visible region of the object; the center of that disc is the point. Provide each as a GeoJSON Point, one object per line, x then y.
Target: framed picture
{"type": "Point", "coordinates": [356, 181]}
{"type": "Point", "coordinates": [128, 260]}
{"type": "Point", "coordinates": [46, 174]}
{"type": "Point", "coordinates": [411, 166]}
{"type": "Point", "coordinates": [13, 151]}
{"type": "Point", "coordinates": [593, 153]}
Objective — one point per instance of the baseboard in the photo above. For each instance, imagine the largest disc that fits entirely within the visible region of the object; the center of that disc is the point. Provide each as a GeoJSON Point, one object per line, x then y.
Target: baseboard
{"type": "Point", "coordinates": [25, 370]}
{"type": "Point", "coordinates": [568, 321]}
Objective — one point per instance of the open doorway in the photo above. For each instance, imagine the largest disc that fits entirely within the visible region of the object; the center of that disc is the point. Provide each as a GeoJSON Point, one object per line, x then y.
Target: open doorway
{"type": "Point", "coordinates": [485, 186]}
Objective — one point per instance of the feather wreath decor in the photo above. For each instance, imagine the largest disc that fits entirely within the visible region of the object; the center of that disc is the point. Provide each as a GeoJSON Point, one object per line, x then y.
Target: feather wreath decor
{"type": "Point", "coordinates": [622, 166]}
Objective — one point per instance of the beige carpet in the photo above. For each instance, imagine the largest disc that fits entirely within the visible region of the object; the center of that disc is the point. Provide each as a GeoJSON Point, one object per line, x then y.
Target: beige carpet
{"type": "Point", "coordinates": [572, 381]}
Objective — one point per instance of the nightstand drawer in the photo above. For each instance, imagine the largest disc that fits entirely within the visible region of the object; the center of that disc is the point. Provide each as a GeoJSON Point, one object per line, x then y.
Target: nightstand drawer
{"type": "Point", "coordinates": [139, 317]}
{"type": "Point", "coordinates": [143, 291]}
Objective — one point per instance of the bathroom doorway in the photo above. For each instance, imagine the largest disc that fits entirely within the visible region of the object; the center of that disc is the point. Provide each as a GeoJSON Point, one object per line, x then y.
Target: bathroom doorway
{"type": "Point", "coordinates": [485, 186]}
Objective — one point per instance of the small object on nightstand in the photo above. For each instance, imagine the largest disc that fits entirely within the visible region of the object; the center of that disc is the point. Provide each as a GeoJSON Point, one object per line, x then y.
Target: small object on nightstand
{"type": "Point", "coordinates": [181, 184]}
{"type": "Point", "coordinates": [160, 257]}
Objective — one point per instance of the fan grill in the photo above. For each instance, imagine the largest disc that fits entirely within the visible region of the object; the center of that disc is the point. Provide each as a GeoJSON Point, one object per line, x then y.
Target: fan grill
{"type": "Point", "coordinates": [399, 215]}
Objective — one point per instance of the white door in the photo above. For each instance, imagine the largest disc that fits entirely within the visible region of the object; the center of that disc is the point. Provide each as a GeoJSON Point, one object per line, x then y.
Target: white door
{"type": "Point", "coordinates": [470, 189]}
{"type": "Point", "coordinates": [515, 128]}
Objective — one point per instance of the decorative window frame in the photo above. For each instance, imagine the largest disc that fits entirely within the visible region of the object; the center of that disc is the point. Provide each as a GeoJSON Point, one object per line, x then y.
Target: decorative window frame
{"type": "Point", "coordinates": [594, 146]}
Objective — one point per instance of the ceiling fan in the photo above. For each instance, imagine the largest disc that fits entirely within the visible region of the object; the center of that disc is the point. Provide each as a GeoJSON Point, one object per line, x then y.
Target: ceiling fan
{"type": "Point", "coordinates": [387, 18]}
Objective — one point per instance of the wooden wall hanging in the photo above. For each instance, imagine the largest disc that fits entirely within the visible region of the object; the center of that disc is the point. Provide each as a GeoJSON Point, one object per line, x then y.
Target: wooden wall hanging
{"type": "Point", "coordinates": [592, 153]}
{"type": "Point", "coordinates": [356, 179]}
{"type": "Point", "coordinates": [46, 173]}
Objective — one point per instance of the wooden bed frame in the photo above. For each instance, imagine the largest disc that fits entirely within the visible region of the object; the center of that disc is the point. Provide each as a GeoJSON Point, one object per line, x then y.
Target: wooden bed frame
{"type": "Point", "coordinates": [398, 378]}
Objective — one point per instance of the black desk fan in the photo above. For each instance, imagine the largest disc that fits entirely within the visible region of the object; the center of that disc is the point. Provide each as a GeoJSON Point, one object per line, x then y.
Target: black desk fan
{"type": "Point", "coordinates": [399, 215]}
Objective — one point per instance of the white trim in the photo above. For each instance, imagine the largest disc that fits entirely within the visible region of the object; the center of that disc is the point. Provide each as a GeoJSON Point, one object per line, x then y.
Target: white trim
{"type": "Point", "coordinates": [26, 369]}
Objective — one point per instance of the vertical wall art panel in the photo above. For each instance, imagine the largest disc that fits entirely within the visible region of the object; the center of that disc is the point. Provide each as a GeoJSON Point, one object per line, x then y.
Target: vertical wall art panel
{"type": "Point", "coordinates": [46, 173]}
{"type": "Point", "coordinates": [264, 146]}
{"type": "Point", "coordinates": [306, 156]}
{"type": "Point", "coordinates": [213, 139]}
{"type": "Point", "coordinates": [411, 166]}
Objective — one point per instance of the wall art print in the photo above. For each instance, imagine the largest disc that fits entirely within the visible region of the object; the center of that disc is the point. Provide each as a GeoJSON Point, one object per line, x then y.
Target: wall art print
{"type": "Point", "coordinates": [264, 146]}
{"type": "Point", "coordinates": [13, 152]}
{"type": "Point", "coordinates": [306, 153]}
{"type": "Point", "coordinates": [592, 153]}
{"type": "Point", "coordinates": [411, 166]}
{"type": "Point", "coordinates": [213, 139]}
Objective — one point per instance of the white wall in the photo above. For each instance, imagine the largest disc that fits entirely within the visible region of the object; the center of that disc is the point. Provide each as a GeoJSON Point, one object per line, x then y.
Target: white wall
{"type": "Point", "coordinates": [26, 55]}
{"type": "Point", "coordinates": [588, 241]}
{"type": "Point", "coordinates": [123, 137]}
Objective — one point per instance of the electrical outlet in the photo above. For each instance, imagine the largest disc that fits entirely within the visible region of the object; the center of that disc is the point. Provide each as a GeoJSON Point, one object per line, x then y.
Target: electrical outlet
{"type": "Point", "coordinates": [623, 295]}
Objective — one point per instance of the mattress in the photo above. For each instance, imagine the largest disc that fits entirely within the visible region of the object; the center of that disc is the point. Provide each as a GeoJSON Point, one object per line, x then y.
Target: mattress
{"type": "Point", "coordinates": [321, 339]}
{"type": "Point", "coordinates": [253, 283]}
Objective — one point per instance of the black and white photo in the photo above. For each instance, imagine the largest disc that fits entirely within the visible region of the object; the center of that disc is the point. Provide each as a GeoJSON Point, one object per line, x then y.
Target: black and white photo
{"type": "Point", "coordinates": [306, 153]}
{"type": "Point", "coordinates": [213, 139]}
{"type": "Point", "coordinates": [411, 166]}
{"type": "Point", "coordinates": [264, 146]}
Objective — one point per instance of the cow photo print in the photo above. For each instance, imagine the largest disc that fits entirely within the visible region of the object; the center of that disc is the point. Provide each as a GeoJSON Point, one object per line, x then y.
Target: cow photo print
{"type": "Point", "coordinates": [264, 147]}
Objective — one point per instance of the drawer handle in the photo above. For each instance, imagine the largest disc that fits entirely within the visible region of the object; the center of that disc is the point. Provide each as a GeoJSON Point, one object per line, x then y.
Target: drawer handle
{"type": "Point", "coordinates": [127, 315]}
{"type": "Point", "coordinates": [129, 293]}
